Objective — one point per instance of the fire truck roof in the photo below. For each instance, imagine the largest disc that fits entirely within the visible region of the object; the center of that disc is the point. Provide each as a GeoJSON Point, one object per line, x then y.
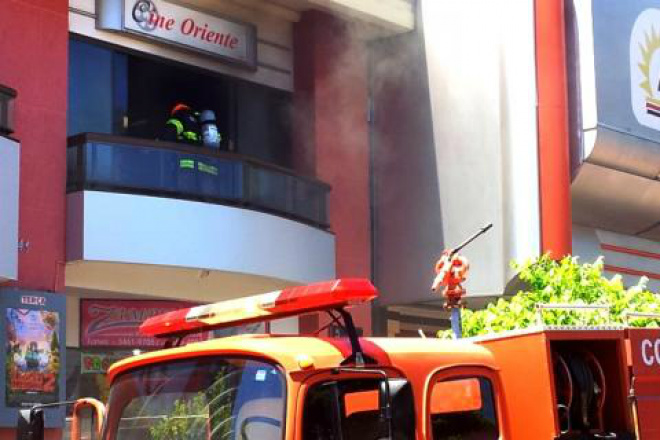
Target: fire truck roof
{"type": "Point", "coordinates": [407, 354]}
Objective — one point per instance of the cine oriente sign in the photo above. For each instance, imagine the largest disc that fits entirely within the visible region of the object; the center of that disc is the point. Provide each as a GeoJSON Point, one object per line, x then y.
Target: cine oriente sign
{"type": "Point", "coordinates": [171, 23]}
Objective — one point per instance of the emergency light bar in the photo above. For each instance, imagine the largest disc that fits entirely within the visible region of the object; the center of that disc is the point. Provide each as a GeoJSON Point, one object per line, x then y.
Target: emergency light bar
{"type": "Point", "coordinates": [292, 301]}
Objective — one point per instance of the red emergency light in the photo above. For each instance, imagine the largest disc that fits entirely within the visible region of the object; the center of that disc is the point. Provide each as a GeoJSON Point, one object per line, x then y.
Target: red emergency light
{"type": "Point", "coordinates": [292, 301]}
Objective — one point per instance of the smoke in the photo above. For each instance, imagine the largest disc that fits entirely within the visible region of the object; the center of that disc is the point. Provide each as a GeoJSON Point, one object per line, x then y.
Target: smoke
{"type": "Point", "coordinates": [352, 61]}
{"type": "Point", "coordinates": [367, 107]}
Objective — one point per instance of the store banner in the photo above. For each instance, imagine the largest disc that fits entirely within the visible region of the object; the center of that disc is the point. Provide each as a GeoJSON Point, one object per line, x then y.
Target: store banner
{"type": "Point", "coordinates": [170, 23]}
{"type": "Point", "coordinates": [116, 323]}
{"type": "Point", "coordinates": [32, 326]}
{"type": "Point", "coordinates": [98, 363]}
{"type": "Point", "coordinates": [626, 57]}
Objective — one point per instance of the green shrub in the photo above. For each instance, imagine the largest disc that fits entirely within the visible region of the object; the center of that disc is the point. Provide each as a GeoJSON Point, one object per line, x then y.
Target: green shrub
{"type": "Point", "coordinates": [565, 281]}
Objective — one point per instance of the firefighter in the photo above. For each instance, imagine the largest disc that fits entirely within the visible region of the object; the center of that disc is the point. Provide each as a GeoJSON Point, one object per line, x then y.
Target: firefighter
{"type": "Point", "coordinates": [183, 125]}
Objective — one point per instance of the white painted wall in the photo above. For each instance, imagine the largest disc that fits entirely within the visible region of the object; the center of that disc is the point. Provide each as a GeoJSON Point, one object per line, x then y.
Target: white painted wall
{"type": "Point", "coordinates": [123, 228]}
{"type": "Point", "coordinates": [481, 70]}
{"type": "Point", "coordinates": [9, 188]}
{"type": "Point", "coordinates": [625, 251]}
{"type": "Point", "coordinates": [521, 219]}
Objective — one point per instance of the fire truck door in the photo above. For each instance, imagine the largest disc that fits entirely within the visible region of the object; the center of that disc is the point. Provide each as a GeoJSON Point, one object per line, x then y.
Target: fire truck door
{"type": "Point", "coordinates": [645, 382]}
{"type": "Point", "coordinates": [349, 409]}
{"type": "Point", "coordinates": [463, 403]}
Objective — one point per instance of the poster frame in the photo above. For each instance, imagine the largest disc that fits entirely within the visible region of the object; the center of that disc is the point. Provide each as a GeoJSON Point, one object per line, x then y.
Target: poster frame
{"type": "Point", "coordinates": [16, 298]}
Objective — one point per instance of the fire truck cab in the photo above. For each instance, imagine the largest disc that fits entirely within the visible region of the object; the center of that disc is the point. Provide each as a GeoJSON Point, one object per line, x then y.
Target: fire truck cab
{"type": "Point", "coordinates": [535, 384]}
{"type": "Point", "coordinates": [303, 387]}
{"type": "Point", "coordinates": [263, 387]}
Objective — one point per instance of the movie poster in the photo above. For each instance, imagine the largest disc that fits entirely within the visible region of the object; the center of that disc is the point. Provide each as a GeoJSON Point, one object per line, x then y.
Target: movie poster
{"type": "Point", "coordinates": [33, 356]}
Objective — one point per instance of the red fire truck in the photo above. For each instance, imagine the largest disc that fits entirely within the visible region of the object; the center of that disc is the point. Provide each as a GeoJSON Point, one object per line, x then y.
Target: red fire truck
{"type": "Point", "coordinates": [541, 383]}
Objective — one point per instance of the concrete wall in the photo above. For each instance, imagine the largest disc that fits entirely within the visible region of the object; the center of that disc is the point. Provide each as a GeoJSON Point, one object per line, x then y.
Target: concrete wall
{"type": "Point", "coordinates": [407, 213]}
{"type": "Point", "coordinates": [331, 134]}
{"type": "Point", "coordinates": [464, 151]}
{"type": "Point", "coordinates": [629, 256]}
{"type": "Point", "coordinates": [175, 247]}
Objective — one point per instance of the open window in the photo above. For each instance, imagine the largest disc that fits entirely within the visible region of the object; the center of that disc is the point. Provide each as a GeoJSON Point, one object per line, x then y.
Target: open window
{"type": "Point", "coordinates": [121, 93]}
{"type": "Point", "coordinates": [350, 410]}
{"type": "Point", "coordinates": [463, 407]}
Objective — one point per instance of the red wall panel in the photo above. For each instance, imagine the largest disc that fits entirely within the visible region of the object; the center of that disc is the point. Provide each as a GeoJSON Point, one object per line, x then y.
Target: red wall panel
{"type": "Point", "coordinates": [554, 157]}
{"type": "Point", "coordinates": [332, 138]}
{"type": "Point", "coordinates": [33, 60]}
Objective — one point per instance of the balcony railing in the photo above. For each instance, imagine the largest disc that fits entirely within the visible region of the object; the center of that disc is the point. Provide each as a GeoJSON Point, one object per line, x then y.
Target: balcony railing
{"type": "Point", "coordinates": [137, 166]}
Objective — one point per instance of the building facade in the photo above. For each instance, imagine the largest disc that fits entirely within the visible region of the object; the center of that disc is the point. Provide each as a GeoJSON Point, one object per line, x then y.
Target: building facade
{"type": "Point", "coordinates": [104, 220]}
{"type": "Point", "coordinates": [538, 117]}
{"type": "Point", "coordinates": [359, 139]}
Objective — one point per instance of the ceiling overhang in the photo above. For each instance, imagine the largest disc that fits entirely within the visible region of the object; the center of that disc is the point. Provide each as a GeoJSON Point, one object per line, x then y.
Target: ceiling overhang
{"type": "Point", "coordinates": [388, 16]}
{"type": "Point", "coordinates": [617, 186]}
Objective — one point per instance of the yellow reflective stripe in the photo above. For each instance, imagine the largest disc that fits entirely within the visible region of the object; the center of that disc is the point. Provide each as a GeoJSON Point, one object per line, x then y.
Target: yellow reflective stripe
{"type": "Point", "coordinates": [209, 169]}
{"type": "Point", "coordinates": [187, 164]}
{"type": "Point", "coordinates": [190, 135]}
{"type": "Point", "coordinates": [177, 124]}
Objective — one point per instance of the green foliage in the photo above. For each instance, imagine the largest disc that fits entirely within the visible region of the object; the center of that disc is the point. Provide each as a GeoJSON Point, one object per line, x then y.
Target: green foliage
{"type": "Point", "coordinates": [222, 396]}
{"type": "Point", "coordinates": [185, 422]}
{"type": "Point", "coordinates": [193, 416]}
{"type": "Point", "coordinates": [564, 282]}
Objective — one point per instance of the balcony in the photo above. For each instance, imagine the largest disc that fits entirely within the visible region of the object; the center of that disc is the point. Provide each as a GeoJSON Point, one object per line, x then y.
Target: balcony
{"type": "Point", "coordinates": [161, 218]}
{"type": "Point", "coordinates": [9, 168]}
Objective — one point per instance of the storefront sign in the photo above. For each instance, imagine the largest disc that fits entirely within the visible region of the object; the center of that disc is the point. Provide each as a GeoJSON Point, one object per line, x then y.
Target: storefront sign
{"type": "Point", "coordinates": [33, 354]}
{"type": "Point", "coordinates": [98, 363]}
{"type": "Point", "coordinates": [170, 23]}
{"type": "Point", "coordinates": [113, 323]}
{"type": "Point", "coordinates": [645, 69]}
{"type": "Point", "coordinates": [626, 65]}
{"type": "Point", "coordinates": [33, 300]}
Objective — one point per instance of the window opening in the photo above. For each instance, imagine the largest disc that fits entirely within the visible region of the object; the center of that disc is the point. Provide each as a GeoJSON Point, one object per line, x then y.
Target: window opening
{"type": "Point", "coordinates": [350, 410]}
{"type": "Point", "coordinates": [115, 92]}
{"type": "Point", "coordinates": [463, 408]}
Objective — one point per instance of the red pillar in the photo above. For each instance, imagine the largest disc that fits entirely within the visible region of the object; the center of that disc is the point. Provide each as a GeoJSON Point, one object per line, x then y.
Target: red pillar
{"type": "Point", "coordinates": [332, 134]}
{"type": "Point", "coordinates": [554, 158]}
{"type": "Point", "coordinates": [33, 60]}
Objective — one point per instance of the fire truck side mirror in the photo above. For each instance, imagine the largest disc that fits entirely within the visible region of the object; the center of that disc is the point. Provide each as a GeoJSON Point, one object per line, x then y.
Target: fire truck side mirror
{"type": "Point", "coordinates": [98, 410]}
{"type": "Point", "coordinates": [385, 400]}
{"type": "Point", "coordinates": [385, 404]}
{"type": "Point", "coordinates": [30, 424]}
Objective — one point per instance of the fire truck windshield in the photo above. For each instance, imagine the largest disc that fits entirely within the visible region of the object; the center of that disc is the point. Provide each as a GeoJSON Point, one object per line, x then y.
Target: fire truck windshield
{"type": "Point", "coordinates": [207, 398]}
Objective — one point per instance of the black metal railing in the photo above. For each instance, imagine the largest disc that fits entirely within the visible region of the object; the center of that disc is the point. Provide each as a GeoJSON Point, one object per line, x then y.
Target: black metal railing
{"type": "Point", "coordinates": [137, 166]}
{"type": "Point", "coordinates": [7, 96]}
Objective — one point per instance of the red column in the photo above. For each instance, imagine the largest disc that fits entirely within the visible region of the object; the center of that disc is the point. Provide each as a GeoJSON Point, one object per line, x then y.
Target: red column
{"type": "Point", "coordinates": [33, 60]}
{"type": "Point", "coordinates": [554, 165]}
{"type": "Point", "coordinates": [332, 134]}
